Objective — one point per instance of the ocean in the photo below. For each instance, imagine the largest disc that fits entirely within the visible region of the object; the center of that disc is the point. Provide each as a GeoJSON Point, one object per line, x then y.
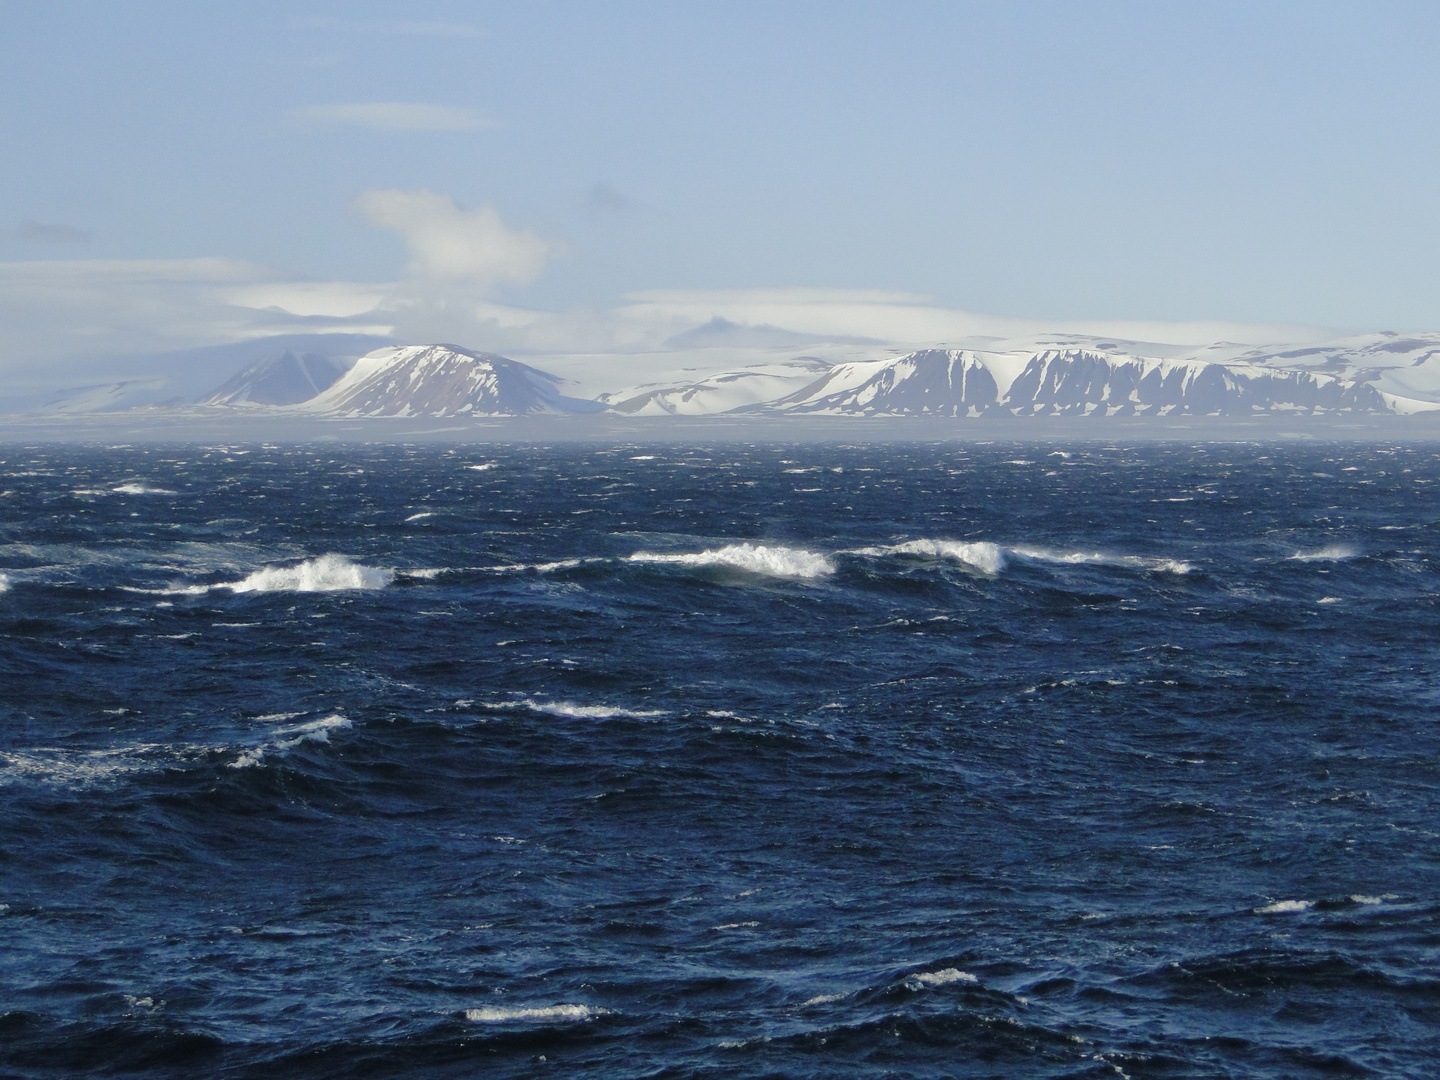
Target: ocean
{"type": "Point", "coordinates": [742, 760]}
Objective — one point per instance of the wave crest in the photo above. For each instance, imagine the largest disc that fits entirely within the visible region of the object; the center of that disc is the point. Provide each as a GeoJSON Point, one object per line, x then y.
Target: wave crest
{"type": "Point", "coordinates": [571, 711]}
{"type": "Point", "coordinates": [991, 558]}
{"type": "Point", "coordinates": [140, 489]}
{"type": "Point", "coordinates": [328, 573]}
{"type": "Point", "coordinates": [980, 555]}
{"type": "Point", "coordinates": [923, 980]}
{"type": "Point", "coordinates": [765, 559]}
{"type": "Point", "coordinates": [1328, 553]}
{"type": "Point", "coordinates": [287, 738]}
{"type": "Point", "coordinates": [498, 1014]}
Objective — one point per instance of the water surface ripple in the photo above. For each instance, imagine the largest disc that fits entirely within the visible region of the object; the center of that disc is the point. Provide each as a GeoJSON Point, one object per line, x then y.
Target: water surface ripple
{"type": "Point", "coordinates": [738, 761]}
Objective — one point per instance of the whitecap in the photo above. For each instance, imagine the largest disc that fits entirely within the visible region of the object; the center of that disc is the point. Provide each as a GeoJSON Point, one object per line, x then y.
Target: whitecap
{"type": "Point", "coordinates": [1329, 553]}
{"type": "Point", "coordinates": [571, 711]}
{"type": "Point", "coordinates": [140, 489]}
{"type": "Point", "coordinates": [84, 768]}
{"type": "Point", "coordinates": [822, 999]}
{"type": "Point", "coordinates": [763, 559]}
{"type": "Point", "coordinates": [540, 568]}
{"type": "Point", "coordinates": [481, 468]}
{"type": "Point", "coordinates": [1285, 907]}
{"type": "Point", "coordinates": [1101, 558]}
{"type": "Point", "coordinates": [421, 516]}
{"type": "Point", "coordinates": [328, 573]}
{"type": "Point", "coordinates": [288, 738]}
{"type": "Point", "coordinates": [499, 1014]}
{"type": "Point", "coordinates": [981, 555]}
{"type": "Point", "coordinates": [923, 979]}
{"type": "Point", "coordinates": [4, 582]}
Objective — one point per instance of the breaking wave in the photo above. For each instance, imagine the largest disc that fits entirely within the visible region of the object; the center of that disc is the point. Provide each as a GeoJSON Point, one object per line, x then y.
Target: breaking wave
{"type": "Point", "coordinates": [1285, 907]}
{"type": "Point", "coordinates": [499, 1014]}
{"type": "Point", "coordinates": [287, 738]}
{"type": "Point", "coordinates": [328, 573]}
{"type": "Point", "coordinates": [991, 558]}
{"type": "Point", "coordinates": [77, 769]}
{"type": "Point", "coordinates": [980, 555]}
{"type": "Point", "coordinates": [767, 560]}
{"type": "Point", "coordinates": [1329, 553]}
{"type": "Point", "coordinates": [571, 711]}
{"type": "Point", "coordinates": [140, 489]}
{"type": "Point", "coordinates": [923, 980]}
{"type": "Point", "coordinates": [1100, 558]}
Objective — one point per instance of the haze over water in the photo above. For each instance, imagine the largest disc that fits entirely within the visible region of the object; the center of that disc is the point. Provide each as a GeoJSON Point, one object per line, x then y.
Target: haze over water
{"type": "Point", "coordinates": [730, 761]}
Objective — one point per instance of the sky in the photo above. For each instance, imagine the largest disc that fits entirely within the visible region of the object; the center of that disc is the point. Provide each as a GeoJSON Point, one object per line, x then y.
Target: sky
{"type": "Point", "coordinates": [590, 176]}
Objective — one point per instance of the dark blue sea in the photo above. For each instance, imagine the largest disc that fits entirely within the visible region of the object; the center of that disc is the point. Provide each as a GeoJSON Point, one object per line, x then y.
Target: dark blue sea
{"type": "Point", "coordinates": [731, 761]}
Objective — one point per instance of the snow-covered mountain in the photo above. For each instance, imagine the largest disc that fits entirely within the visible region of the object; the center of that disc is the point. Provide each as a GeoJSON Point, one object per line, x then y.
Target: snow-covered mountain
{"type": "Point", "coordinates": [184, 378]}
{"type": "Point", "coordinates": [286, 379]}
{"type": "Point", "coordinates": [937, 382]}
{"type": "Point", "coordinates": [443, 380]}
{"type": "Point", "coordinates": [725, 392]}
{"type": "Point", "coordinates": [1405, 365]}
{"type": "Point", "coordinates": [1070, 381]}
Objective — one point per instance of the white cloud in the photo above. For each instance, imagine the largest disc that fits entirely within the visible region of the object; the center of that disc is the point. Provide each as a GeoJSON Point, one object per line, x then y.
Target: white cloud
{"type": "Point", "coordinates": [448, 242]}
{"type": "Point", "coordinates": [52, 309]}
{"type": "Point", "coordinates": [394, 116]}
{"type": "Point", "coordinates": [908, 319]}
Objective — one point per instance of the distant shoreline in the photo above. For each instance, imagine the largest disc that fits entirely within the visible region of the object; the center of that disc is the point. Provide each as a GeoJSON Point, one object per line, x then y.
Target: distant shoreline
{"type": "Point", "coordinates": [191, 426]}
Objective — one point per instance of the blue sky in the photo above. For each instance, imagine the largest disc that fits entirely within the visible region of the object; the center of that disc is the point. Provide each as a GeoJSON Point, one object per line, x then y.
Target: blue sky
{"type": "Point", "coordinates": [1254, 162]}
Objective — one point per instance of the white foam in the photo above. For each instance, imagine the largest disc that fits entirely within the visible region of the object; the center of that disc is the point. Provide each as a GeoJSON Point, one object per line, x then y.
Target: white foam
{"type": "Point", "coordinates": [288, 738]}
{"type": "Point", "coordinates": [328, 573]}
{"type": "Point", "coordinates": [822, 999]}
{"type": "Point", "coordinates": [421, 516]}
{"type": "Point", "coordinates": [1101, 558]}
{"type": "Point", "coordinates": [924, 979]}
{"type": "Point", "coordinates": [981, 555]}
{"type": "Point", "coordinates": [540, 568]}
{"type": "Point", "coordinates": [140, 489]}
{"type": "Point", "coordinates": [589, 712]}
{"type": "Point", "coordinates": [499, 1014]}
{"type": "Point", "coordinates": [1284, 907]}
{"type": "Point", "coordinates": [4, 582]}
{"type": "Point", "coordinates": [84, 768]}
{"type": "Point", "coordinates": [1329, 553]}
{"type": "Point", "coordinates": [481, 468]}
{"type": "Point", "coordinates": [991, 558]}
{"type": "Point", "coordinates": [764, 559]}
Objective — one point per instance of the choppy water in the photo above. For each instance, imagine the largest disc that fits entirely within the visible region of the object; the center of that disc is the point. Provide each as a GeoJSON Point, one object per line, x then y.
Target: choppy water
{"type": "Point", "coordinates": [725, 762]}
